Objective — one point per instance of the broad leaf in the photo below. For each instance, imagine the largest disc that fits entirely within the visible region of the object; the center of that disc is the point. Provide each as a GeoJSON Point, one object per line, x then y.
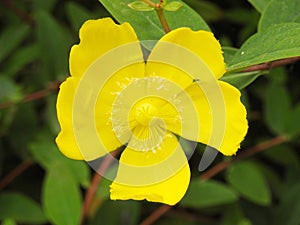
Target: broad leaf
{"type": "Point", "coordinates": [61, 196]}
{"type": "Point", "coordinates": [260, 5]}
{"type": "Point", "coordinates": [242, 80]}
{"type": "Point", "coordinates": [12, 38]}
{"type": "Point", "coordinates": [288, 210]}
{"type": "Point", "coordinates": [279, 11]}
{"type": "Point", "coordinates": [77, 15]}
{"type": "Point", "coordinates": [203, 194]}
{"type": "Point", "coordinates": [277, 109]}
{"type": "Point", "coordinates": [277, 42]}
{"type": "Point", "coordinates": [117, 213]}
{"type": "Point", "coordinates": [247, 179]}
{"type": "Point", "coordinates": [47, 155]}
{"type": "Point", "coordinates": [147, 25]}
{"type": "Point", "coordinates": [54, 44]}
{"type": "Point", "coordinates": [20, 208]}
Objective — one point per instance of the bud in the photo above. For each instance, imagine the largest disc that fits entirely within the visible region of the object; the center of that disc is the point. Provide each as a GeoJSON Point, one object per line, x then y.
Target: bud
{"type": "Point", "coordinates": [140, 6]}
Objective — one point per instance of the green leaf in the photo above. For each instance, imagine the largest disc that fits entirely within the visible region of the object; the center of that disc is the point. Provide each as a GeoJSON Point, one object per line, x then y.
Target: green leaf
{"type": "Point", "coordinates": [294, 121]}
{"type": "Point", "coordinates": [8, 222]}
{"type": "Point", "coordinates": [61, 196]}
{"type": "Point", "coordinates": [118, 213]}
{"type": "Point", "coordinates": [233, 215]}
{"type": "Point", "coordinates": [288, 210]}
{"type": "Point", "coordinates": [277, 108]}
{"type": "Point", "coordinates": [277, 42]}
{"type": "Point", "coordinates": [77, 15]}
{"type": "Point", "coordinates": [12, 37]}
{"type": "Point", "coordinates": [21, 58]}
{"type": "Point", "coordinates": [54, 44]}
{"type": "Point", "coordinates": [278, 11]}
{"type": "Point", "coordinates": [140, 6]}
{"type": "Point", "coordinates": [203, 194]}
{"type": "Point", "coordinates": [247, 179]}
{"type": "Point", "coordinates": [209, 10]}
{"type": "Point", "coordinates": [9, 91]}
{"type": "Point", "coordinates": [185, 17]}
{"type": "Point", "coordinates": [173, 6]}
{"type": "Point", "coordinates": [47, 155]}
{"type": "Point", "coordinates": [242, 80]}
{"type": "Point", "coordinates": [260, 5]}
{"type": "Point", "coordinates": [20, 208]}
{"type": "Point", "coordinates": [228, 53]}
{"type": "Point", "coordinates": [44, 5]}
{"type": "Point", "coordinates": [282, 155]}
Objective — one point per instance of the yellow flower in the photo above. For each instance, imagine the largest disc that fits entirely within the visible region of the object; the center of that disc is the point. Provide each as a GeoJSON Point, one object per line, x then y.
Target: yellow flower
{"type": "Point", "coordinates": [113, 98]}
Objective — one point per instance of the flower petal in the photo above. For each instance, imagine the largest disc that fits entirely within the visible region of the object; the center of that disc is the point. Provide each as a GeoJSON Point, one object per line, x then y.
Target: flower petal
{"type": "Point", "coordinates": [66, 140]}
{"type": "Point", "coordinates": [201, 43]}
{"type": "Point", "coordinates": [161, 176]}
{"type": "Point", "coordinates": [232, 126]}
{"type": "Point", "coordinates": [96, 38]}
{"type": "Point", "coordinates": [106, 105]}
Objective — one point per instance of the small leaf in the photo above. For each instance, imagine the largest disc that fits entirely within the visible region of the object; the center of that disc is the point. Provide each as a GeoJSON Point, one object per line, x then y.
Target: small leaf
{"type": "Point", "coordinates": [294, 121]}
{"type": "Point", "coordinates": [203, 194]}
{"type": "Point", "coordinates": [277, 108]}
{"type": "Point", "coordinates": [173, 6]}
{"type": "Point", "coordinates": [185, 17]}
{"type": "Point", "coordinates": [140, 6]}
{"type": "Point", "coordinates": [9, 91]}
{"type": "Point", "coordinates": [277, 42]}
{"type": "Point", "coordinates": [278, 11]}
{"type": "Point", "coordinates": [247, 179]}
{"type": "Point", "coordinates": [242, 80]}
{"type": "Point", "coordinates": [288, 211]}
{"type": "Point", "coordinates": [47, 155]}
{"type": "Point", "coordinates": [20, 208]}
{"type": "Point", "coordinates": [260, 5]}
{"type": "Point", "coordinates": [54, 44]}
{"type": "Point", "coordinates": [21, 58]}
{"type": "Point", "coordinates": [61, 196]}
{"type": "Point", "coordinates": [12, 37]}
{"type": "Point", "coordinates": [228, 53]}
{"type": "Point", "coordinates": [8, 222]}
{"type": "Point", "coordinates": [118, 213]}
{"type": "Point", "coordinates": [77, 14]}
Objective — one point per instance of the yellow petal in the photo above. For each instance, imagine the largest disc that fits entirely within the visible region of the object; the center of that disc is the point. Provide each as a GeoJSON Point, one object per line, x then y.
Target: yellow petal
{"type": "Point", "coordinates": [201, 44]}
{"type": "Point", "coordinates": [222, 120]}
{"type": "Point", "coordinates": [97, 37]}
{"type": "Point", "coordinates": [160, 176]}
{"type": "Point", "coordinates": [66, 140]}
{"type": "Point", "coordinates": [106, 105]}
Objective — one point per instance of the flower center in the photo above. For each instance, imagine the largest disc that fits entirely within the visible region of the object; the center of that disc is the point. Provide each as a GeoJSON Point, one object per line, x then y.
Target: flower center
{"type": "Point", "coordinates": [145, 113]}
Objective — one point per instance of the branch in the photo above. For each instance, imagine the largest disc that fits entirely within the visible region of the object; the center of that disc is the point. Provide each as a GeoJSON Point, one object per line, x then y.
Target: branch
{"type": "Point", "coordinates": [156, 215]}
{"type": "Point", "coordinates": [270, 65]}
{"type": "Point", "coordinates": [53, 87]}
{"type": "Point", "coordinates": [23, 15]}
{"type": "Point", "coordinates": [217, 169]}
{"type": "Point", "coordinates": [243, 155]}
{"type": "Point", "coordinates": [15, 173]}
{"type": "Point", "coordinates": [90, 194]}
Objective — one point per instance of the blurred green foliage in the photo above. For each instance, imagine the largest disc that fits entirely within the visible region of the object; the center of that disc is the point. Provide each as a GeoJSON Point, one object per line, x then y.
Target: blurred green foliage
{"type": "Point", "coordinates": [35, 39]}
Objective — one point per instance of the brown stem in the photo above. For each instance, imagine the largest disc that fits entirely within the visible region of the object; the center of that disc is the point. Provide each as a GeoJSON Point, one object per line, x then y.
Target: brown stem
{"type": "Point", "coordinates": [217, 169]}
{"type": "Point", "coordinates": [18, 11]}
{"type": "Point", "coordinates": [15, 173]}
{"type": "Point", "coordinates": [161, 15]}
{"type": "Point", "coordinates": [270, 65]}
{"type": "Point", "coordinates": [156, 215]}
{"type": "Point", "coordinates": [150, 3]}
{"type": "Point", "coordinates": [53, 87]}
{"type": "Point", "coordinates": [244, 154]}
{"type": "Point", "coordinates": [90, 194]}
